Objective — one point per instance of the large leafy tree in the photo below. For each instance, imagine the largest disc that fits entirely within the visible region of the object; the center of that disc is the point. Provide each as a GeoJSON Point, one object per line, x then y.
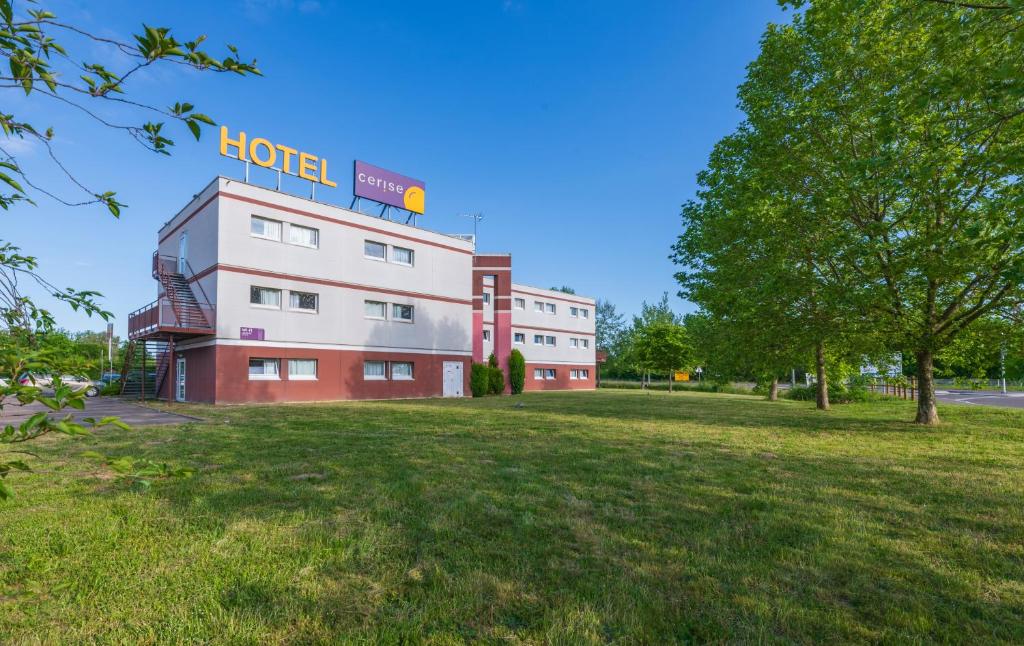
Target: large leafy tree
{"type": "Point", "coordinates": [39, 61]}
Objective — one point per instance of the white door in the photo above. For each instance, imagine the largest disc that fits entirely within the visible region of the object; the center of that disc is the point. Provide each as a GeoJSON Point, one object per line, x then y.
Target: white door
{"type": "Point", "coordinates": [179, 376]}
{"type": "Point", "coordinates": [182, 252]}
{"type": "Point", "coordinates": [452, 378]}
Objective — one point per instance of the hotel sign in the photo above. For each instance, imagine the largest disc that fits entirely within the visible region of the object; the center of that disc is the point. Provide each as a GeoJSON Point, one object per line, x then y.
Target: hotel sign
{"type": "Point", "coordinates": [261, 152]}
{"type": "Point", "coordinates": [389, 188]}
{"type": "Point", "coordinates": [251, 334]}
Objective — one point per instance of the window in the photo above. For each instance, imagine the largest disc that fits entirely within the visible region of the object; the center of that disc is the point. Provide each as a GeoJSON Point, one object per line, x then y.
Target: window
{"type": "Point", "coordinates": [549, 373]}
{"type": "Point", "coordinates": [305, 236]}
{"type": "Point", "coordinates": [487, 297]}
{"type": "Point", "coordinates": [549, 340]}
{"type": "Point", "coordinates": [584, 374]}
{"type": "Point", "coordinates": [401, 312]}
{"type": "Point", "coordinates": [375, 309]}
{"type": "Point", "coordinates": [401, 256]}
{"type": "Point", "coordinates": [265, 297]}
{"type": "Point", "coordinates": [538, 306]}
{"type": "Point", "coordinates": [375, 250]}
{"type": "Point", "coordinates": [550, 308]}
{"type": "Point", "coordinates": [538, 373]}
{"type": "Point", "coordinates": [264, 228]}
{"type": "Point", "coordinates": [574, 374]}
{"type": "Point", "coordinates": [303, 301]}
{"type": "Point", "coordinates": [574, 312]}
{"type": "Point", "coordinates": [538, 339]}
{"type": "Point", "coordinates": [519, 337]}
{"type": "Point", "coordinates": [519, 303]}
{"type": "Point", "coordinates": [373, 370]}
{"type": "Point", "coordinates": [401, 369]}
{"type": "Point", "coordinates": [487, 335]}
{"type": "Point", "coordinates": [574, 342]}
{"type": "Point", "coordinates": [264, 369]}
{"type": "Point", "coordinates": [585, 313]}
{"type": "Point", "coordinates": [584, 343]}
{"type": "Point", "coordinates": [302, 369]}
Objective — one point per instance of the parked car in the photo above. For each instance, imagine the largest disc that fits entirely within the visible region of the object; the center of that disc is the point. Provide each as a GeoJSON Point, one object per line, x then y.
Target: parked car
{"type": "Point", "coordinates": [78, 383]}
{"type": "Point", "coordinates": [110, 377]}
{"type": "Point", "coordinates": [40, 380]}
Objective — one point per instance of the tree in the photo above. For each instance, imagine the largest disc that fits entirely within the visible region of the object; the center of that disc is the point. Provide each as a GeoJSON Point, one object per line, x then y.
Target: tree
{"type": "Point", "coordinates": [608, 325]}
{"type": "Point", "coordinates": [564, 289]}
{"type": "Point", "coordinates": [516, 371]}
{"type": "Point", "coordinates": [39, 65]}
{"type": "Point", "coordinates": [663, 346]}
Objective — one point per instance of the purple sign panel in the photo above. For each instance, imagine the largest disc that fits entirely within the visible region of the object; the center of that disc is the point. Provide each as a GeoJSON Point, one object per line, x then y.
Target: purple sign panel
{"type": "Point", "coordinates": [251, 334]}
{"type": "Point", "coordinates": [389, 188]}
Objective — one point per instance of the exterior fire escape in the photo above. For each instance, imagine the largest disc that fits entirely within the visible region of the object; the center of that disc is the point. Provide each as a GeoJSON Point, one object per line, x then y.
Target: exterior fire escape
{"type": "Point", "coordinates": [179, 313]}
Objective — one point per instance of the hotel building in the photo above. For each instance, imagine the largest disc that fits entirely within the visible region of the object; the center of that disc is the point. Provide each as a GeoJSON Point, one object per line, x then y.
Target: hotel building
{"type": "Point", "coordinates": [265, 296]}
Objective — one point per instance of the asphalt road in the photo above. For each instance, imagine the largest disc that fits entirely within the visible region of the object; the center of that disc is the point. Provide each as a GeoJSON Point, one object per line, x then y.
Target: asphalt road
{"type": "Point", "coordinates": [98, 407]}
{"type": "Point", "coordinates": [981, 397]}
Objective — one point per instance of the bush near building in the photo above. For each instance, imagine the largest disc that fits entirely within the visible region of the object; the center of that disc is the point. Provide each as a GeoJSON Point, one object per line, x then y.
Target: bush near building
{"type": "Point", "coordinates": [516, 371]}
{"type": "Point", "coordinates": [479, 379]}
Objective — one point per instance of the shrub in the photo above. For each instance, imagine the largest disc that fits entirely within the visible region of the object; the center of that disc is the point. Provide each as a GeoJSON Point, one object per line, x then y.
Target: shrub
{"type": "Point", "coordinates": [113, 388]}
{"type": "Point", "coordinates": [496, 380]}
{"type": "Point", "coordinates": [516, 371]}
{"type": "Point", "coordinates": [479, 379]}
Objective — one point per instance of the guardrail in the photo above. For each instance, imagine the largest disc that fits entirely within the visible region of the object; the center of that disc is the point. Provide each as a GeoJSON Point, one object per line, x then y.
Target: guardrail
{"type": "Point", "coordinates": [160, 314]}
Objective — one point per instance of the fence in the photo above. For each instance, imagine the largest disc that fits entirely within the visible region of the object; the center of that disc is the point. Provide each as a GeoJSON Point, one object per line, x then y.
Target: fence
{"type": "Point", "coordinates": [903, 389]}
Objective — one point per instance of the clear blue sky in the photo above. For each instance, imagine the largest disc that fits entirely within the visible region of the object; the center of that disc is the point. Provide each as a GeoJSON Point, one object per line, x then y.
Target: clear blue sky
{"type": "Point", "coordinates": [577, 128]}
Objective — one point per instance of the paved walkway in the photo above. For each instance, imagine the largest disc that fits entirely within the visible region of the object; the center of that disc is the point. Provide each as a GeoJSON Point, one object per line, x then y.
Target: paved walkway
{"type": "Point", "coordinates": [981, 397]}
{"type": "Point", "coordinates": [99, 407]}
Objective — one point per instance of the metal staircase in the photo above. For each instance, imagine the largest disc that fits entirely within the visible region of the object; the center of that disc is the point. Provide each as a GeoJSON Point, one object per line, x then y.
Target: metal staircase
{"type": "Point", "coordinates": [145, 369]}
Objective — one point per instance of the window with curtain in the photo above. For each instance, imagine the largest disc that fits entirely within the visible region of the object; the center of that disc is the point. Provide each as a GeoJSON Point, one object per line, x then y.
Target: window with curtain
{"type": "Point", "coordinates": [401, 370]}
{"type": "Point", "coordinates": [373, 370]}
{"type": "Point", "coordinates": [302, 369]}
{"type": "Point", "coordinates": [519, 303]}
{"type": "Point", "coordinates": [265, 296]}
{"type": "Point", "coordinates": [375, 250]}
{"type": "Point", "coordinates": [375, 309]}
{"type": "Point", "coordinates": [401, 256]}
{"type": "Point", "coordinates": [538, 373]}
{"type": "Point", "coordinates": [519, 337]}
{"type": "Point", "coordinates": [265, 228]}
{"type": "Point", "coordinates": [305, 236]}
{"type": "Point", "coordinates": [264, 368]}
{"type": "Point", "coordinates": [305, 301]}
{"type": "Point", "coordinates": [401, 312]}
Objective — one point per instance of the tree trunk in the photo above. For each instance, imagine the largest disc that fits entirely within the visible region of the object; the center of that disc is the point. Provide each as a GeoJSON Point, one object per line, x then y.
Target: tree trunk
{"type": "Point", "coordinates": [670, 375]}
{"type": "Point", "coordinates": [822, 397]}
{"type": "Point", "coordinates": [773, 390]}
{"type": "Point", "coordinates": [926, 413]}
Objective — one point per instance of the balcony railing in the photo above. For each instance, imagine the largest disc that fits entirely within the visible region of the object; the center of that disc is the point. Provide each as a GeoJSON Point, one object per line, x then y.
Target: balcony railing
{"type": "Point", "coordinates": [160, 316]}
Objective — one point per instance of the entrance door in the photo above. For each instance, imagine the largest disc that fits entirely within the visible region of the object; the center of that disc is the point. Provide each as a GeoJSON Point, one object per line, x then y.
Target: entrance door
{"type": "Point", "coordinates": [452, 378]}
{"type": "Point", "coordinates": [182, 252]}
{"type": "Point", "coordinates": [179, 375]}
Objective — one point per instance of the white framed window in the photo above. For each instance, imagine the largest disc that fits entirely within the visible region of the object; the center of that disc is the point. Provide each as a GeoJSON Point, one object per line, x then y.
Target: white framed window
{"type": "Point", "coordinates": [401, 370]}
{"type": "Point", "coordinates": [487, 335]}
{"type": "Point", "coordinates": [538, 339]}
{"type": "Point", "coordinates": [549, 340]}
{"type": "Point", "coordinates": [264, 228]}
{"type": "Point", "coordinates": [264, 369]}
{"type": "Point", "coordinates": [374, 370]}
{"type": "Point", "coordinates": [265, 297]}
{"type": "Point", "coordinates": [574, 374]}
{"type": "Point", "coordinates": [375, 310]}
{"type": "Point", "coordinates": [549, 373]}
{"type": "Point", "coordinates": [303, 301]}
{"type": "Point", "coordinates": [574, 312]}
{"type": "Point", "coordinates": [375, 250]}
{"type": "Point", "coordinates": [403, 313]}
{"type": "Point", "coordinates": [538, 306]}
{"type": "Point", "coordinates": [402, 256]}
{"type": "Point", "coordinates": [574, 342]}
{"type": "Point", "coordinates": [304, 236]}
{"type": "Point", "coordinates": [302, 369]}
{"type": "Point", "coordinates": [585, 313]}
{"type": "Point", "coordinates": [487, 297]}
{"type": "Point", "coordinates": [550, 308]}
{"type": "Point", "coordinates": [538, 373]}
{"type": "Point", "coordinates": [519, 303]}
{"type": "Point", "coordinates": [584, 343]}
{"type": "Point", "coordinates": [584, 373]}
{"type": "Point", "coordinates": [519, 338]}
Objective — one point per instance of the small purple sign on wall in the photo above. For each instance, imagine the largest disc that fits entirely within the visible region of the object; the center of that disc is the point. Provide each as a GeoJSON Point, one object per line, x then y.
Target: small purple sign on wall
{"type": "Point", "coordinates": [381, 185]}
{"type": "Point", "coordinates": [251, 333]}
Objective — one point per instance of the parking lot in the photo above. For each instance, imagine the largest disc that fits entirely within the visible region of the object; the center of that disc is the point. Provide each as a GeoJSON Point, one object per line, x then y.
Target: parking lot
{"type": "Point", "coordinates": [981, 397]}
{"type": "Point", "coordinates": [129, 412]}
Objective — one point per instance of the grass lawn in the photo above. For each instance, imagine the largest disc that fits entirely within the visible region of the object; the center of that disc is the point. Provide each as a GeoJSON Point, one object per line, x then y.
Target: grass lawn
{"type": "Point", "coordinates": [615, 516]}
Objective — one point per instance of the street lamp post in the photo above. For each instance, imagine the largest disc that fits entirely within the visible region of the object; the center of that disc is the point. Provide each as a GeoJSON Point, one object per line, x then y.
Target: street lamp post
{"type": "Point", "coordinates": [477, 217]}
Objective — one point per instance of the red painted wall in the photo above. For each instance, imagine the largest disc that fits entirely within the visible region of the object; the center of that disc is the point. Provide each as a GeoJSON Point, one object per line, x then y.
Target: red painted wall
{"type": "Point", "coordinates": [225, 378]}
{"type": "Point", "coordinates": [561, 380]}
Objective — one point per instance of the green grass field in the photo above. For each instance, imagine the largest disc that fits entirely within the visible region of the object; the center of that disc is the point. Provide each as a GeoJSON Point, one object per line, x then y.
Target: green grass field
{"type": "Point", "coordinates": [613, 516]}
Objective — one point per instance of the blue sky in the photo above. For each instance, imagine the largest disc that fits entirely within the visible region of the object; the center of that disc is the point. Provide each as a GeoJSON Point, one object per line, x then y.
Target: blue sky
{"type": "Point", "coordinates": [577, 128]}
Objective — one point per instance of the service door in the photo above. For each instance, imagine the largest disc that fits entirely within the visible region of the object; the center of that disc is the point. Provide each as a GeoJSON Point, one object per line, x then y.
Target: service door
{"type": "Point", "coordinates": [183, 252]}
{"type": "Point", "coordinates": [179, 376]}
{"type": "Point", "coordinates": [452, 378]}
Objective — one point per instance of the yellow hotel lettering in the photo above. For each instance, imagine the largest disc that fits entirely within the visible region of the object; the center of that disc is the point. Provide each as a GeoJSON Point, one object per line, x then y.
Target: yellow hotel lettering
{"type": "Point", "coordinates": [263, 153]}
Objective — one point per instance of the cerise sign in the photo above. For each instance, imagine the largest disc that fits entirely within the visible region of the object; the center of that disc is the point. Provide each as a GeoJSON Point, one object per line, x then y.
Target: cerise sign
{"type": "Point", "coordinates": [384, 186]}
